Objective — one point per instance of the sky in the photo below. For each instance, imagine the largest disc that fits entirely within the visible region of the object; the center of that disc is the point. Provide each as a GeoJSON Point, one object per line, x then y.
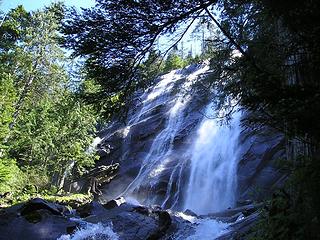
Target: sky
{"type": "Point", "coordinates": [30, 5]}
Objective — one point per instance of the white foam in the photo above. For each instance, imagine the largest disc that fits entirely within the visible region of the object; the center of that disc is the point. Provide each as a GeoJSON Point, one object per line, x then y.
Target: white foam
{"type": "Point", "coordinates": [97, 231]}
{"type": "Point", "coordinates": [187, 217]}
{"type": "Point", "coordinates": [208, 229]}
{"type": "Point", "coordinates": [94, 145]}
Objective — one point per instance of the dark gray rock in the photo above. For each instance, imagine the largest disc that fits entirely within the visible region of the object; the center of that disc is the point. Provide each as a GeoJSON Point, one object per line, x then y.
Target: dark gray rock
{"type": "Point", "coordinates": [91, 181]}
{"type": "Point", "coordinates": [232, 214]}
{"type": "Point", "coordinates": [239, 229]}
{"type": "Point", "coordinates": [258, 175]}
{"type": "Point", "coordinates": [92, 208]}
{"type": "Point", "coordinates": [40, 204]}
{"type": "Point", "coordinates": [132, 222]}
{"type": "Point", "coordinates": [37, 219]}
{"type": "Point", "coordinates": [114, 203]}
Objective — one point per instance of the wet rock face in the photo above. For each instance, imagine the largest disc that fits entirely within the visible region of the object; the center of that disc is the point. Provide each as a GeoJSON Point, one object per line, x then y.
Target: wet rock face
{"type": "Point", "coordinates": [129, 144]}
{"type": "Point", "coordinates": [39, 204]}
{"type": "Point", "coordinates": [92, 180]}
{"type": "Point", "coordinates": [258, 174]}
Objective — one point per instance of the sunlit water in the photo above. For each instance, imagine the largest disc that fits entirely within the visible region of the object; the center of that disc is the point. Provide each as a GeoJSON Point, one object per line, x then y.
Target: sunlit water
{"type": "Point", "coordinates": [214, 157]}
{"type": "Point", "coordinates": [91, 231]}
{"type": "Point", "coordinates": [207, 229]}
{"type": "Point", "coordinates": [204, 228]}
{"type": "Point", "coordinates": [159, 154]}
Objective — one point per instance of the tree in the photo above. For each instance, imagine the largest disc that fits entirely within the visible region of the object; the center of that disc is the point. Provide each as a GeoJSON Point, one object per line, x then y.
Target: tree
{"type": "Point", "coordinates": [151, 68]}
{"type": "Point", "coordinates": [174, 61]}
{"type": "Point", "coordinates": [127, 30]}
{"type": "Point", "coordinates": [54, 137]}
{"type": "Point", "coordinates": [276, 79]}
{"type": "Point", "coordinates": [7, 99]}
{"type": "Point", "coordinates": [275, 76]}
{"type": "Point", "coordinates": [114, 38]}
{"type": "Point", "coordinates": [46, 127]}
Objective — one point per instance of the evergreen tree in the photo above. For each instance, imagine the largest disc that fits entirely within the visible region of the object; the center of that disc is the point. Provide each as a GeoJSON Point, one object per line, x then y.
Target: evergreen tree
{"type": "Point", "coordinates": [173, 61]}
{"type": "Point", "coordinates": [46, 128]}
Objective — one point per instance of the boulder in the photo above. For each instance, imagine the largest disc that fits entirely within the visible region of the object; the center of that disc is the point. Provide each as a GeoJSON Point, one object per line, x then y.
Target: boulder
{"type": "Point", "coordinates": [190, 213]}
{"type": "Point", "coordinates": [41, 204]}
{"type": "Point", "coordinates": [245, 210]}
{"type": "Point", "coordinates": [114, 203]}
{"type": "Point", "coordinates": [236, 214]}
{"type": "Point", "coordinates": [91, 208]}
{"type": "Point", "coordinates": [36, 219]}
{"type": "Point", "coordinates": [134, 222]}
{"type": "Point", "coordinates": [239, 229]}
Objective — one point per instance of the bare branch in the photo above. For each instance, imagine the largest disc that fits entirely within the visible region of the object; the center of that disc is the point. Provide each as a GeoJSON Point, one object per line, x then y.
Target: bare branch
{"type": "Point", "coordinates": [238, 47]}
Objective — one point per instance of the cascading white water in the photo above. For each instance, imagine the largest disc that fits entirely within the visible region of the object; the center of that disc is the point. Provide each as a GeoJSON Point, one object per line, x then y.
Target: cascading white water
{"type": "Point", "coordinates": [158, 155]}
{"type": "Point", "coordinates": [213, 178]}
{"type": "Point", "coordinates": [212, 181]}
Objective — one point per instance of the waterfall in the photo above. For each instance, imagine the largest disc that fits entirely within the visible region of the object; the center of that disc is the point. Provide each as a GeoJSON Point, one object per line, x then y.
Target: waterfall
{"type": "Point", "coordinates": [211, 153]}
{"type": "Point", "coordinates": [213, 177]}
{"type": "Point", "coordinates": [159, 153]}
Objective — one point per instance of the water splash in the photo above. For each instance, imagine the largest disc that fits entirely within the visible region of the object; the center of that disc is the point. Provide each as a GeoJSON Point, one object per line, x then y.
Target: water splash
{"type": "Point", "coordinates": [208, 229]}
{"type": "Point", "coordinates": [94, 145]}
{"type": "Point", "coordinates": [97, 231]}
{"type": "Point", "coordinates": [204, 228]}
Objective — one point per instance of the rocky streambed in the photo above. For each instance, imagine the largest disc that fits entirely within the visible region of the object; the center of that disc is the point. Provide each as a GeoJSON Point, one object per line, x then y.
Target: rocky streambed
{"type": "Point", "coordinates": [120, 219]}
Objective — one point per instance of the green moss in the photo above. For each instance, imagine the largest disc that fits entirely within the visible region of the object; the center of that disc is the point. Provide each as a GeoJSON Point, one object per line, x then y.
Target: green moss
{"type": "Point", "coordinates": [69, 200]}
{"type": "Point", "coordinates": [72, 200]}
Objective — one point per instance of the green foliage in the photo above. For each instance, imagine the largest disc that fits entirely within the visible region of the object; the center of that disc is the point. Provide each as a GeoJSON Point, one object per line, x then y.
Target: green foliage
{"type": "Point", "coordinates": [54, 136]}
{"type": "Point", "coordinates": [277, 81]}
{"type": "Point", "coordinates": [155, 65]}
{"type": "Point", "coordinates": [266, 57]}
{"type": "Point", "coordinates": [13, 28]}
{"type": "Point", "coordinates": [174, 61]}
{"type": "Point", "coordinates": [194, 60]}
{"type": "Point", "coordinates": [151, 68]}
{"type": "Point", "coordinates": [10, 175]}
{"type": "Point", "coordinates": [256, 40]}
{"type": "Point", "coordinates": [275, 77]}
{"type": "Point", "coordinates": [88, 91]}
{"type": "Point", "coordinates": [7, 99]}
{"type": "Point", "coordinates": [72, 200]}
{"type": "Point", "coordinates": [115, 37]}
{"type": "Point", "coordinates": [45, 128]}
